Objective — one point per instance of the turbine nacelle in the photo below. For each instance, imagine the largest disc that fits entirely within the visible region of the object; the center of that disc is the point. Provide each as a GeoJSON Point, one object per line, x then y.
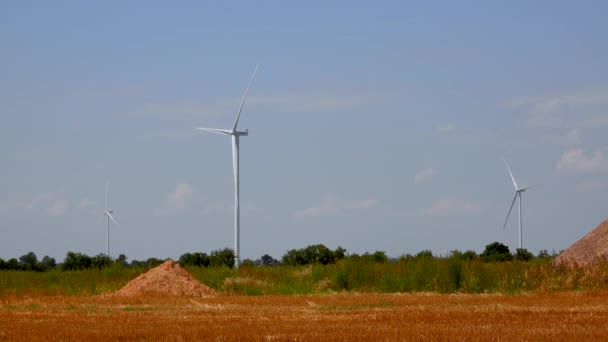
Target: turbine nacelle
{"type": "Point", "coordinates": [224, 131]}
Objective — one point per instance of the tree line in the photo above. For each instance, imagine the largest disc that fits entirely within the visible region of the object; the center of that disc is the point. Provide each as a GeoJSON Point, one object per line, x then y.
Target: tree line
{"type": "Point", "coordinates": [313, 254]}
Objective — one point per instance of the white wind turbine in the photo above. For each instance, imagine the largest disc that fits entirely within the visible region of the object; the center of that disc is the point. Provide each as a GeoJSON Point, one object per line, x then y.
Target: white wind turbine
{"type": "Point", "coordinates": [235, 161]}
{"type": "Point", "coordinates": [108, 215]}
{"type": "Point", "coordinates": [518, 192]}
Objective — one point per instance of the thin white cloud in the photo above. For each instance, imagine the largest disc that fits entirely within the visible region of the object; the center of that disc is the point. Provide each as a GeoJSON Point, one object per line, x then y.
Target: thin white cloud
{"type": "Point", "coordinates": [570, 138]}
{"type": "Point", "coordinates": [178, 198]}
{"type": "Point", "coordinates": [577, 107]}
{"type": "Point", "coordinates": [51, 203]}
{"type": "Point", "coordinates": [367, 204]}
{"type": "Point", "coordinates": [57, 207]}
{"type": "Point", "coordinates": [185, 109]}
{"type": "Point", "coordinates": [88, 207]}
{"type": "Point", "coordinates": [423, 176]}
{"type": "Point", "coordinates": [330, 205]}
{"type": "Point", "coordinates": [596, 120]}
{"type": "Point", "coordinates": [451, 206]}
{"type": "Point", "coordinates": [85, 203]}
{"type": "Point", "coordinates": [594, 185]}
{"type": "Point", "coordinates": [320, 101]}
{"type": "Point", "coordinates": [576, 160]}
{"type": "Point", "coordinates": [310, 102]}
{"type": "Point", "coordinates": [118, 92]}
{"type": "Point", "coordinates": [444, 128]}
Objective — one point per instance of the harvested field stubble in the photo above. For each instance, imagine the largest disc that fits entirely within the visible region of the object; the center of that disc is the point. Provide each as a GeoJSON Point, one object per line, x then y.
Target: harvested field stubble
{"type": "Point", "coordinates": [337, 317]}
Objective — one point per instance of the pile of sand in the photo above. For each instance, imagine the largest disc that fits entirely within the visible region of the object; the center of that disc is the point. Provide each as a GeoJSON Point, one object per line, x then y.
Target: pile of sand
{"type": "Point", "coordinates": [588, 249]}
{"type": "Point", "coordinates": [168, 279]}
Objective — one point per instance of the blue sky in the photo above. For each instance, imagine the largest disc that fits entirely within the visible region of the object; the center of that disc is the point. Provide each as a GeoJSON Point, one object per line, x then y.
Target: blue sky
{"type": "Point", "coordinates": [372, 126]}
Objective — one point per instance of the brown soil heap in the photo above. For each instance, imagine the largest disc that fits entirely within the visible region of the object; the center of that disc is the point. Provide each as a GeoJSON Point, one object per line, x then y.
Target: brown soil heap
{"type": "Point", "coordinates": [588, 249]}
{"type": "Point", "coordinates": [169, 279]}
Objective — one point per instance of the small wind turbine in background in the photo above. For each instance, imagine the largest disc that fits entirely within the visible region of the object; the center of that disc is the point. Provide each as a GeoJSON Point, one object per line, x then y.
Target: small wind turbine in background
{"type": "Point", "coordinates": [235, 161]}
{"type": "Point", "coordinates": [518, 192]}
{"type": "Point", "coordinates": [108, 215]}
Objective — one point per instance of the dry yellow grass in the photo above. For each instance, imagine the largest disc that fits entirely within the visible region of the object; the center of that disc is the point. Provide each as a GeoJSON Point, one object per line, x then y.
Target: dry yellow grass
{"type": "Point", "coordinates": [334, 317]}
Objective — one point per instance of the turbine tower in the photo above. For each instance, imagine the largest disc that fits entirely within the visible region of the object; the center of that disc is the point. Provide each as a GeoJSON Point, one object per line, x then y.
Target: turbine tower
{"type": "Point", "coordinates": [518, 192]}
{"type": "Point", "coordinates": [235, 161]}
{"type": "Point", "coordinates": [108, 214]}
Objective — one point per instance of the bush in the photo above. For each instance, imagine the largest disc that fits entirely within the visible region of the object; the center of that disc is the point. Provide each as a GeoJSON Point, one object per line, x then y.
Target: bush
{"type": "Point", "coordinates": [424, 254]}
{"type": "Point", "coordinates": [195, 259]}
{"type": "Point", "coordinates": [29, 262]}
{"type": "Point", "coordinates": [543, 254]}
{"type": "Point", "coordinates": [150, 263]}
{"type": "Point", "coordinates": [522, 254]}
{"type": "Point", "coordinates": [76, 261]}
{"type": "Point", "coordinates": [268, 260]}
{"type": "Point", "coordinates": [496, 251]}
{"type": "Point", "coordinates": [313, 254]}
{"type": "Point", "coordinates": [222, 257]}
{"type": "Point", "coordinates": [101, 261]}
{"type": "Point", "coordinates": [48, 263]}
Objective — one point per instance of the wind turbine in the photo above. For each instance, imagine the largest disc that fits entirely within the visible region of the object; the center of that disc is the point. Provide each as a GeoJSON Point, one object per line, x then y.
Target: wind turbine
{"type": "Point", "coordinates": [235, 163]}
{"type": "Point", "coordinates": [108, 215]}
{"type": "Point", "coordinates": [518, 192]}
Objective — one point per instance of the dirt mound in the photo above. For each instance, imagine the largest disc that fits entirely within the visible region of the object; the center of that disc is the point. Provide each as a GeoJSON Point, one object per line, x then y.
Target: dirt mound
{"type": "Point", "coordinates": [168, 279]}
{"type": "Point", "coordinates": [588, 249]}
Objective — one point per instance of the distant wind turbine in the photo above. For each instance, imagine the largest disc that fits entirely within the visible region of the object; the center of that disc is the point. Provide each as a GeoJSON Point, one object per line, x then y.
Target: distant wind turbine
{"type": "Point", "coordinates": [108, 214]}
{"type": "Point", "coordinates": [235, 161]}
{"type": "Point", "coordinates": [518, 192]}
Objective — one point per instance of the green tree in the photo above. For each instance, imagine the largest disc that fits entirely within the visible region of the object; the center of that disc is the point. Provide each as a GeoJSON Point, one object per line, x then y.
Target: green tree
{"type": "Point", "coordinates": [340, 253]}
{"type": "Point", "coordinates": [543, 254]}
{"type": "Point", "coordinates": [222, 257]}
{"type": "Point", "coordinates": [195, 259]}
{"type": "Point", "coordinates": [377, 257]}
{"type": "Point", "coordinates": [48, 263]}
{"type": "Point", "coordinates": [122, 260]}
{"type": "Point", "coordinates": [29, 262]}
{"type": "Point", "coordinates": [13, 264]}
{"type": "Point", "coordinates": [496, 251]}
{"type": "Point", "coordinates": [295, 257]}
{"type": "Point", "coordinates": [101, 261]}
{"type": "Point", "coordinates": [424, 254]}
{"type": "Point", "coordinates": [313, 254]}
{"type": "Point", "coordinates": [76, 261]}
{"type": "Point", "coordinates": [268, 260]}
{"type": "Point", "coordinates": [469, 255]}
{"type": "Point", "coordinates": [522, 254]}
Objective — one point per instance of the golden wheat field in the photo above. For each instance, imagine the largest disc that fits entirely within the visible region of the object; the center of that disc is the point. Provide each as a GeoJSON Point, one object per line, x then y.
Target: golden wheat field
{"type": "Point", "coordinates": [330, 317]}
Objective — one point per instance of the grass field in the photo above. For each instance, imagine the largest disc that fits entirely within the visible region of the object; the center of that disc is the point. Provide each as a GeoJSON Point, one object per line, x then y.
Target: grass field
{"type": "Point", "coordinates": [415, 275]}
{"type": "Point", "coordinates": [424, 299]}
{"type": "Point", "coordinates": [565, 316]}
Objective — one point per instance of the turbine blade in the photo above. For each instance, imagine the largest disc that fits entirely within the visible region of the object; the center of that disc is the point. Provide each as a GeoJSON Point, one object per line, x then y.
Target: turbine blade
{"type": "Point", "coordinates": [244, 96]}
{"type": "Point", "coordinates": [214, 130]}
{"type": "Point", "coordinates": [512, 203]}
{"type": "Point", "coordinates": [511, 174]}
{"type": "Point", "coordinates": [112, 218]}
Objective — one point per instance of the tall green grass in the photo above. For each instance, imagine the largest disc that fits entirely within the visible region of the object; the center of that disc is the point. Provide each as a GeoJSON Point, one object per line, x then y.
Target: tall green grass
{"type": "Point", "coordinates": [83, 282]}
{"type": "Point", "coordinates": [428, 274]}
